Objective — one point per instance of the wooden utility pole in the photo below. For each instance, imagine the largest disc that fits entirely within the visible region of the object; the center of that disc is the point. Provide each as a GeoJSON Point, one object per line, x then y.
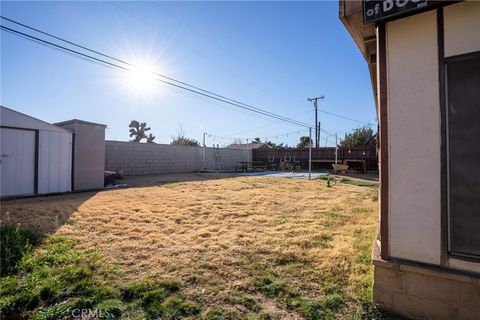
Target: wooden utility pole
{"type": "Point", "coordinates": [317, 127]}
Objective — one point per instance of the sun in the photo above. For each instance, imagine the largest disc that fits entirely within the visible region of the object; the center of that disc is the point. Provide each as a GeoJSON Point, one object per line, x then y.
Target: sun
{"type": "Point", "coordinates": [141, 79]}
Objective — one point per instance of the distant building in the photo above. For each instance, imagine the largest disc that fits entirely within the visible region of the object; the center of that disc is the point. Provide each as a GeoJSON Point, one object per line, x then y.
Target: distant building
{"type": "Point", "coordinates": [424, 63]}
{"type": "Point", "coordinates": [248, 146]}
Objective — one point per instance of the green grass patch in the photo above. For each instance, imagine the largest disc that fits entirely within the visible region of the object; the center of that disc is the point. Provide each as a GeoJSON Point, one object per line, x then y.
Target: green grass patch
{"type": "Point", "coordinates": [324, 308]}
{"type": "Point", "coordinates": [361, 210]}
{"type": "Point", "coordinates": [375, 197]}
{"type": "Point", "coordinates": [273, 287]}
{"type": "Point", "coordinates": [313, 309]}
{"type": "Point", "coordinates": [171, 308]}
{"type": "Point", "coordinates": [324, 240]}
{"type": "Point", "coordinates": [14, 244]}
{"type": "Point", "coordinates": [244, 300]}
{"type": "Point", "coordinates": [51, 283]}
{"type": "Point", "coordinates": [358, 183]}
{"type": "Point", "coordinates": [171, 185]}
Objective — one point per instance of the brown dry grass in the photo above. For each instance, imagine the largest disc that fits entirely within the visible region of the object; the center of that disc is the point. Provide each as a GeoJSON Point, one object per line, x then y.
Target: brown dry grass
{"type": "Point", "coordinates": [218, 236]}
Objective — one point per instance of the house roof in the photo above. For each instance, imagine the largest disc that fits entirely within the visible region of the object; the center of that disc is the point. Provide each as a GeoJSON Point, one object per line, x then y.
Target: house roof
{"type": "Point", "coordinates": [245, 146]}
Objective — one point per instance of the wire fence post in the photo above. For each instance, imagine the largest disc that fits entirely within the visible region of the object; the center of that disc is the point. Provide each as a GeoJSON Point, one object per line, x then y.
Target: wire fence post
{"type": "Point", "coordinates": [310, 155]}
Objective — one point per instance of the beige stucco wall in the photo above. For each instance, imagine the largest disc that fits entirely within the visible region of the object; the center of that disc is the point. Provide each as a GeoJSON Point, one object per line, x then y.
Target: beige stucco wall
{"type": "Point", "coordinates": [414, 138]}
{"type": "Point", "coordinates": [462, 27]}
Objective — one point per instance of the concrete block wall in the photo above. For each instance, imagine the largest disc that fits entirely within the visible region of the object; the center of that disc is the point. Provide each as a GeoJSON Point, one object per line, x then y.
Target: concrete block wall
{"type": "Point", "coordinates": [425, 293]}
{"type": "Point", "coordinates": [151, 158]}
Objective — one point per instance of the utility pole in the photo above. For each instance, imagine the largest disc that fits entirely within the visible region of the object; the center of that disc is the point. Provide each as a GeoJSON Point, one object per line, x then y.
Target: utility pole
{"type": "Point", "coordinates": [317, 128]}
{"type": "Point", "coordinates": [310, 154]}
{"type": "Point", "coordinates": [318, 139]}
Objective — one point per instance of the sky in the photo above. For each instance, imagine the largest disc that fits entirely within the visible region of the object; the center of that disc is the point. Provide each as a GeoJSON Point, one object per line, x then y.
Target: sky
{"type": "Point", "coordinates": [272, 55]}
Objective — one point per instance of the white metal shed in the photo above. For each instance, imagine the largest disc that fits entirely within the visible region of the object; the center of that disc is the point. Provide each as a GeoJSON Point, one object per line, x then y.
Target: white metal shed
{"type": "Point", "coordinates": [36, 157]}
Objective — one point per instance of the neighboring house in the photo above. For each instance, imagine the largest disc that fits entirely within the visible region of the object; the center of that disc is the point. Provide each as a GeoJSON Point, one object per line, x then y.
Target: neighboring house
{"type": "Point", "coordinates": [248, 146]}
{"type": "Point", "coordinates": [424, 63]}
{"type": "Point", "coordinates": [40, 158]}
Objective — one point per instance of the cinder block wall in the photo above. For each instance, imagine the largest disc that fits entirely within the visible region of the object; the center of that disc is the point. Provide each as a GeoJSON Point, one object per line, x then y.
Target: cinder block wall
{"type": "Point", "coordinates": [422, 293]}
{"type": "Point", "coordinates": [151, 158]}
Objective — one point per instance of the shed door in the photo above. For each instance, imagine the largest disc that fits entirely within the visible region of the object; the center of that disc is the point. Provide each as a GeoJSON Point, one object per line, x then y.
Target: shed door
{"type": "Point", "coordinates": [17, 162]}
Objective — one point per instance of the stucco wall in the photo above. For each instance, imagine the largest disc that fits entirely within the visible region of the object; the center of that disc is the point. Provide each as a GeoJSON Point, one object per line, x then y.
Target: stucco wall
{"type": "Point", "coordinates": [462, 25]}
{"type": "Point", "coordinates": [414, 138]}
{"type": "Point", "coordinates": [148, 158]}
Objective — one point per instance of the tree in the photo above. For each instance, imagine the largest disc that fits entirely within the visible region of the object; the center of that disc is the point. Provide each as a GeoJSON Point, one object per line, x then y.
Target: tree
{"type": "Point", "coordinates": [360, 137]}
{"type": "Point", "coordinates": [257, 140]}
{"type": "Point", "coordinates": [150, 138]}
{"type": "Point", "coordinates": [275, 145]}
{"type": "Point", "coordinates": [181, 139]}
{"type": "Point", "coordinates": [237, 141]}
{"type": "Point", "coordinates": [139, 131]}
{"type": "Point", "coordinates": [304, 142]}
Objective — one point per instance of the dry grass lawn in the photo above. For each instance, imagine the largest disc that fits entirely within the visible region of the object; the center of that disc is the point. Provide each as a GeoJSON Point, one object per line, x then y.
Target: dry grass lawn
{"type": "Point", "coordinates": [223, 239]}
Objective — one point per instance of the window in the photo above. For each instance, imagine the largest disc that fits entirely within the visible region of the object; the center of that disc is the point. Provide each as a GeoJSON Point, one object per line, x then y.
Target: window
{"type": "Point", "coordinates": [463, 154]}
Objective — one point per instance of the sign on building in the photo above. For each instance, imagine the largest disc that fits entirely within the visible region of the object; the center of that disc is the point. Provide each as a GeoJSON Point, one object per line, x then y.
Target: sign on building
{"type": "Point", "coordinates": [375, 10]}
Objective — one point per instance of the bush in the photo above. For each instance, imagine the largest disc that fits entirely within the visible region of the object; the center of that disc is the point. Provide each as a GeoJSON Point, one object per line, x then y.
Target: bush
{"type": "Point", "coordinates": [14, 244]}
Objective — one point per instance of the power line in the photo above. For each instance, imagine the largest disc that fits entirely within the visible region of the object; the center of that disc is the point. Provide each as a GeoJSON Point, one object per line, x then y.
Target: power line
{"type": "Point", "coordinates": [149, 25]}
{"type": "Point", "coordinates": [260, 45]}
{"type": "Point", "coordinates": [181, 85]}
{"type": "Point", "coordinates": [125, 62]}
{"type": "Point", "coordinates": [250, 138]}
{"type": "Point", "coordinates": [221, 47]}
{"type": "Point", "coordinates": [343, 117]}
{"type": "Point", "coordinates": [327, 133]}
{"type": "Point", "coordinates": [270, 124]}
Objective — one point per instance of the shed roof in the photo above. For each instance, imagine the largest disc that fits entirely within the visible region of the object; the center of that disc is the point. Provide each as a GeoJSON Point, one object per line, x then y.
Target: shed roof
{"type": "Point", "coordinates": [16, 119]}
{"type": "Point", "coordinates": [73, 121]}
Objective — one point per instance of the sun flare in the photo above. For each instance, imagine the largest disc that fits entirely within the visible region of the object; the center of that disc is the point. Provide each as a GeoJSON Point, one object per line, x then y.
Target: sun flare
{"type": "Point", "coordinates": [141, 79]}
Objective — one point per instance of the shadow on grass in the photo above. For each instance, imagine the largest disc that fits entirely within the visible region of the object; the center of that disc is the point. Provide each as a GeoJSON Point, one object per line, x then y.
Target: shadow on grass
{"type": "Point", "coordinates": [42, 214]}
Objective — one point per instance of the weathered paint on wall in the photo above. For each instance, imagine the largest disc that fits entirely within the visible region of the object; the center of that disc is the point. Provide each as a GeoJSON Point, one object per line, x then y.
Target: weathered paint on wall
{"type": "Point", "coordinates": [414, 138]}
